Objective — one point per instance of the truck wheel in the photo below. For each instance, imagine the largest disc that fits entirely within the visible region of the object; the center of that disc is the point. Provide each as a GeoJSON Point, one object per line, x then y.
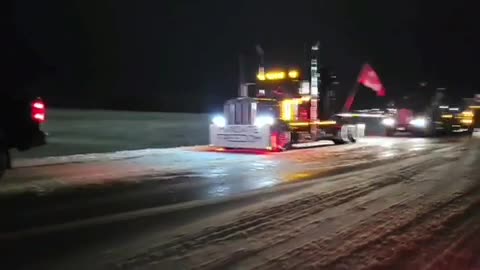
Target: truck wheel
{"type": "Point", "coordinates": [338, 142]}
{"type": "Point", "coordinates": [342, 135]}
{"type": "Point", "coordinates": [352, 134]}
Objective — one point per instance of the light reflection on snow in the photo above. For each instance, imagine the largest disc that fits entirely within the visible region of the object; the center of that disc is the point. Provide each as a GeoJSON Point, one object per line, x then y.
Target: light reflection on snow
{"type": "Point", "coordinates": [266, 181]}
{"type": "Point", "coordinates": [299, 177]}
{"type": "Point", "coordinates": [223, 173]}
{"type": "Point", "coordinates": [388, 154]}
{"type": "Point", "coordinates": [216, 172]}
{"type": "Point", "coordinates": [220, 190]}
{"type": "Point", "coordinates": [386, 143]}
{"type": "Point", "coordinates": [419, 140]}
{"type": "Point", "coordinates": [262, 165]}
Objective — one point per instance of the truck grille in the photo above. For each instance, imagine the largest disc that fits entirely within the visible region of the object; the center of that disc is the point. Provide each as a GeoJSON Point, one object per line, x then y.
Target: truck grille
{"type": "Point", "coordinates": [240, 111]}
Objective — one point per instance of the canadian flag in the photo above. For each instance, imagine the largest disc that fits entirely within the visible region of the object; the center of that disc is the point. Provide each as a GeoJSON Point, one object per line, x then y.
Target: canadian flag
{"type": "Point", "coordinates": [369, 78]}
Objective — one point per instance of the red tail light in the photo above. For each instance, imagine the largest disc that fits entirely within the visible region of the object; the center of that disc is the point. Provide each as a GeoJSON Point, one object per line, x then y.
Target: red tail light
{"type": "Point", "coordinates": [38, 111]}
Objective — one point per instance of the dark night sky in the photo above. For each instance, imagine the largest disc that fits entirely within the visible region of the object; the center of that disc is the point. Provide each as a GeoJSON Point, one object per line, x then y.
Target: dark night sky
{"type": "Point", "coordinates": [182, 55]}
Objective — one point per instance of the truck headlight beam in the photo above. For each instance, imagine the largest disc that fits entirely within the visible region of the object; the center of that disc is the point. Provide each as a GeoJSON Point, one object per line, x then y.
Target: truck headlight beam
{"type": "Point", "coordinates": [261, 121]}
{"type": "Point", "coordinates": [420, 122]}
{"type": "Point", "coordinates": [389, 122]}
{"type": "Point", "coordinates": [219, 121]}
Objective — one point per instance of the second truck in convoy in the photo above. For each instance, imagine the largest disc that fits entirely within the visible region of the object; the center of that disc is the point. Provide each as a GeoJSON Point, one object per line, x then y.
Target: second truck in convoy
{"type": "Point", "coordinates": [428, 113]}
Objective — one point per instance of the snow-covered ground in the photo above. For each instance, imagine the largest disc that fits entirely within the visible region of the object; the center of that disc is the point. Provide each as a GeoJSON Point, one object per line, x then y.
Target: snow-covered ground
{"type": "Point", "coordinates": [420, 212]}
{"type": "Point", "coordinates": [388, 203]}
{"type": "Point", "coordinates": [250, 170]}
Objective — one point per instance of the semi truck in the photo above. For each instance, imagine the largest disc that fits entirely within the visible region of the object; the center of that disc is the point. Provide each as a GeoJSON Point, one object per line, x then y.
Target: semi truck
{"type": "Point", "coordinates": [281, 113]}
{"type": "Point", "coordinates": [428, 114]}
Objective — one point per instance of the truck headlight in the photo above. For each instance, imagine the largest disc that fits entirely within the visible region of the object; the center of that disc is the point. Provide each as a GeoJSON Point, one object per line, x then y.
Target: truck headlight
{"type": "Point", "coordinates": [263, 120]}
{"type": "Point", "coordinates": [419, 122]}
{"type": "Point", "coordinates": [219, 121]}
{"type": "Point", "coordinates": [389, 122]}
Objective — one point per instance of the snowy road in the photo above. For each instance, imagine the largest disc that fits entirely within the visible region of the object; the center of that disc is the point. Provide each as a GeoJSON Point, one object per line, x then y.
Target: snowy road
{"type": "Point", "coordinates": [392, 218]}
{"type": "Point", "coordinates": [64, 189]}
{"type": "Point", "coordinates": [325, 207]}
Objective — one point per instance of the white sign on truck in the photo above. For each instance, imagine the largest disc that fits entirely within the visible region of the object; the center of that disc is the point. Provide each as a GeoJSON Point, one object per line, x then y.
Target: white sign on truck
{"type": "Point", "coordinates": [240, 136]}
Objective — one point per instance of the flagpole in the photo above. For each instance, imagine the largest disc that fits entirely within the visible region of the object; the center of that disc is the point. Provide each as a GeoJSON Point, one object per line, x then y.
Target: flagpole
{"type": "Point", "coordinates": [351, 97]}
{"type": "Point", "coordinates": [348, 104]}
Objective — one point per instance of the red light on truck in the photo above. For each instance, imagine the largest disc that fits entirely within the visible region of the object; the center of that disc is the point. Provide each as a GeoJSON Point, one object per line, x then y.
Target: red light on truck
{"type": "Point", "coordinates": [40, 117]}
{"type": "Point", "coordinates": [38, 111]}
{"type": "Point", "coordinates": [39, 105]}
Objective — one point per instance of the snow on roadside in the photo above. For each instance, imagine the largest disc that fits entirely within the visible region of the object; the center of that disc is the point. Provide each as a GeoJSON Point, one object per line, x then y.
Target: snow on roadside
{"type": "Point", "coordinates": [129, 154]}
{"type": "Point", "coordinates": [46, 175]}
{"type": "Point", "coordinates": [93, 157]}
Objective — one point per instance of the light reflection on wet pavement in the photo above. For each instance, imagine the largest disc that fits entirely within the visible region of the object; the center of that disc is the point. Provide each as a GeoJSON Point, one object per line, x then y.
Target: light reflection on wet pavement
{"type": "Point", "coordinates": [186, 175]}
{"type": "Point", "coordinates": [212, 174]}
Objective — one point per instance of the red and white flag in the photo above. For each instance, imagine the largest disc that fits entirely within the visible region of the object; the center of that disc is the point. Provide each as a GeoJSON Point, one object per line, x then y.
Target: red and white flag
{"type": "Point", "coordinates": [369, 78]}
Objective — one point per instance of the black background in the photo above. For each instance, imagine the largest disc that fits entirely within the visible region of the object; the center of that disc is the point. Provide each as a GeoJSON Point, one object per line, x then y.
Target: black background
{"type": "Point", "coordinates": [183, 55]}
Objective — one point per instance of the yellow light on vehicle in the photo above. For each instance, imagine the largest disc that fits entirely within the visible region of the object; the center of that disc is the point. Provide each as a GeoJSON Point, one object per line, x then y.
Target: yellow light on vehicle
{"type": "Point", "coordinates": [275, 75]}
{"type": "Point", "coordinates": [289, 107]}
{"type": "Point", "coordinates": [261, 77]}
{"type": "Point", "coordinates": [320, 123]}
{"type": "Point", "coordinates": [467, 113]}
{"type": "Point", "coordinates": [293, 74]}
{"type": "Point", "coordinates": [299, 124]}
{"type": "Point", "coordinates": [306, 98]}
{"type": "Point", "coordinates": [265, 99]}
{"type": "Point", "coordinates": [325, 122]}
{"type": "Point", "coordinates": [447, 116]}
{"type": "Point", "coordinates": [466, 121]}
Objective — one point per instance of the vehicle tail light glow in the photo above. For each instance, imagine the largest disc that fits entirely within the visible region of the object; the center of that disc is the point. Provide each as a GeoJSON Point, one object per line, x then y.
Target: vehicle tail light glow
{"type": "Point", "coordinates": [38, 111]}
{"type": "Point", "coordinates": [38, 105]}
{"type": "Point", "coordinates": [274, 141]}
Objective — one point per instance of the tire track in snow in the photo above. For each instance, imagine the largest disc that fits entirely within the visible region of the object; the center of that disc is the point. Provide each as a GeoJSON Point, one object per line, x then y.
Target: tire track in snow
{"type": "Point", "coordinates": [406, 233]}
{"type": "Point", "coordinates": [271, 221]}
{"type": "Point", "coordinates": [447, 244]}
{"type": "Point", "coordinates": [254, 223]}
{"type": "Point", "coordinates": [439, 245]}
{"type": "Point", "coordinates": [281, 233]}
{"type": "Point", "coordinates": [461, 254]}
{"type": "Point", "coordinates": [353, 248]}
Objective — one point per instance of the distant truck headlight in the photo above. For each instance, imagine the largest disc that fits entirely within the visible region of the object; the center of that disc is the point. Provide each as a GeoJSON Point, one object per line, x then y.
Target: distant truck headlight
{"type": "Point", "coordinates": [219, 121]}
{"type": "Point", "coordinates": [389, 122]}
{"type": "Point", "coordinates": [419, 122]}
{"type": "Point", "coordinates": [263, 120]}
